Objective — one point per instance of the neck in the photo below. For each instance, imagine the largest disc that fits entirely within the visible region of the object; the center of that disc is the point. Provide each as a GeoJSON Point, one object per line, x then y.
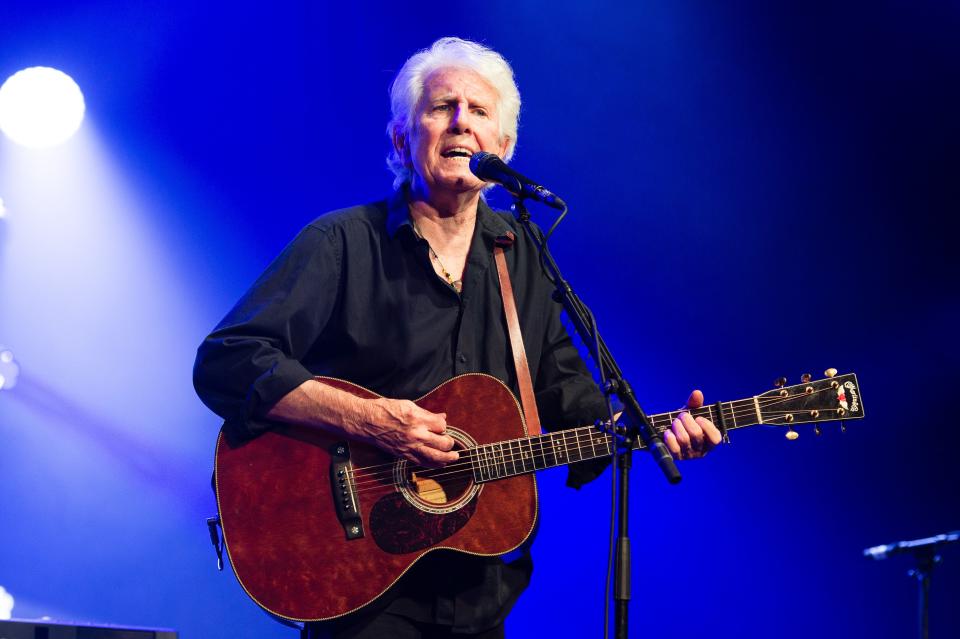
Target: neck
{"type": "Point", "coordinates": [444, 216]}
{"type": "Point", "coordinates": [445, 202]}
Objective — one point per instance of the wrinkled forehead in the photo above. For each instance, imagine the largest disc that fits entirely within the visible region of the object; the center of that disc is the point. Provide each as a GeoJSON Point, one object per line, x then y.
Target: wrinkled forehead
{"type": "Point", "coordinates": [447, 83]}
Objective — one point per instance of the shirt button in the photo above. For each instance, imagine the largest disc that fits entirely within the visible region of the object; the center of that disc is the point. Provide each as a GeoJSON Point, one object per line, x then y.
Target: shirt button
{"type": "Point", "coordinates": [462, 358]}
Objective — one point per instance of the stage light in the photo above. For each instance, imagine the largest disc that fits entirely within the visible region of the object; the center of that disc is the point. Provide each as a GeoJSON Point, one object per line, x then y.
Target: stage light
{"type": "Point", "coordinates": [6, 604]}
{"type": "Point", "coordinates": [40, 107]}
{"type": "Point", "coordinates": [9, 369]}
{"type": "Point", "coordinates": [3, 209]}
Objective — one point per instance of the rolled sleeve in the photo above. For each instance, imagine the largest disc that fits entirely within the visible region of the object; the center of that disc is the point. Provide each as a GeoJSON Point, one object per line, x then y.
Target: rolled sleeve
{"type": "Point", "coordinates": [253, 357]}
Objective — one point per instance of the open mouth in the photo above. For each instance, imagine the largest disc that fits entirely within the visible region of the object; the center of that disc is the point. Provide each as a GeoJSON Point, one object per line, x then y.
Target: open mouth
{"type": "Point", "coordinates": [457, 152]}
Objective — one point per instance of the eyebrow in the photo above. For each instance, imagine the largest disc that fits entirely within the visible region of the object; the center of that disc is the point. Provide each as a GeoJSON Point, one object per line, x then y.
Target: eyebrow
{"type": "Point", "coordinates": [452, 97]}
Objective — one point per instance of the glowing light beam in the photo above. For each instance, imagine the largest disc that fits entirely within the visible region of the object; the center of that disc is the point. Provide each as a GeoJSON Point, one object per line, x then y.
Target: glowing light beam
{"type": "Point", "coordinates": [40, 107]}
{"type": "Point", "coordinates": [9, 371]}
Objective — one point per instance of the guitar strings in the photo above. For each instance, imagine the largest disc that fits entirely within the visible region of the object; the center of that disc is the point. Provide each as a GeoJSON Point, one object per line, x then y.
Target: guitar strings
{"type": "Point", "coordinates": [496, 467]}
{"type": "Point", "coordinates": [536, 450]}
{"type": "Point", "coordinates": [660, 421]}
{"type": "Point", "coordinates": [747, 409]}
{"type": "Point", "coordinates": [492, 467]}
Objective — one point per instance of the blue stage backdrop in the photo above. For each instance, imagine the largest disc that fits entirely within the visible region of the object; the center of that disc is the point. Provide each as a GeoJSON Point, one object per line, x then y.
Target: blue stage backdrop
{"type": "Point", "coordinates": [756, 190]}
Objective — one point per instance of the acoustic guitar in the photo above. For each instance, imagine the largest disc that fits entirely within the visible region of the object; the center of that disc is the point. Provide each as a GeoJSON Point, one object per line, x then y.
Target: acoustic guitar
{"type": "Point", "coordinates": [316, 526]}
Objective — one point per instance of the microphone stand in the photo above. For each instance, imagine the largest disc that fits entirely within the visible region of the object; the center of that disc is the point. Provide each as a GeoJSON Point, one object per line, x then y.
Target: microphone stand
{"type": "Point", "coordinates": [925, 552]}
{"type": "Point", "coordinates": [636, 425]}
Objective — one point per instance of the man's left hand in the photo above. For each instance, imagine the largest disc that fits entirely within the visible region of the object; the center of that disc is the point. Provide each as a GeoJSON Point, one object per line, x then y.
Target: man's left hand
{"type": "Point", "coordinates": [689, 437]}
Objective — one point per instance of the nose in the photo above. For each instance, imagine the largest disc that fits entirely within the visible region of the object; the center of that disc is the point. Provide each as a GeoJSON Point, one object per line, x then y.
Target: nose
{"type": "Point", "coordinates": [460, 120]}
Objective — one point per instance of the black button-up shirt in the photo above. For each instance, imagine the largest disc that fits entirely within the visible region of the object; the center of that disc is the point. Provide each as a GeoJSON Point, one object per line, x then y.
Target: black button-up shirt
{"type": "Point", "coordinates": [355, 296]}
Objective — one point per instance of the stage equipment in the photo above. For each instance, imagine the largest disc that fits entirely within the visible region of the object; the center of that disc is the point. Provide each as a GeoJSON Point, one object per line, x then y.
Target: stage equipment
{"type": "Point", "coordinates": [9, 369]}
{"type": "Point", "coordinates": [925, 552]}
{"type": "Point", "coordinates": [40, 107]}
{"type": "Point", "coordinates": [490, 168]}
{"type": "Point", "coordinates": [43, 629]}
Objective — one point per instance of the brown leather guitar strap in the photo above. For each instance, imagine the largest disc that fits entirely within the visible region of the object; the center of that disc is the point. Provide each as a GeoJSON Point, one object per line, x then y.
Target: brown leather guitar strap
{"type": "Point", "coordinates": [527, 399]}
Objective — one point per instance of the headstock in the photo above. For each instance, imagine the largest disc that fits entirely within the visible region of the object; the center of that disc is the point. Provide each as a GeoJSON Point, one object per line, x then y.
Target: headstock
{"type": "Point", "coordinates": [835, 397]}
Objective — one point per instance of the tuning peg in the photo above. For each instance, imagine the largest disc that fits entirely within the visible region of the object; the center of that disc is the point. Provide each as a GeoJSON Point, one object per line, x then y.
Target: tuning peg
{"type": "Point", "coordinates": [806, 377]}
{"type": "Point", "coordinates": [792, 434]}
{"type": "Point", "coordinates": [843, 426]}
{"type": "Point", "coordinates": [780, 382]}
{"type": "Point", "coordinates": [830, 372]}
{"type": "Point", "coordinates": [817, 430]}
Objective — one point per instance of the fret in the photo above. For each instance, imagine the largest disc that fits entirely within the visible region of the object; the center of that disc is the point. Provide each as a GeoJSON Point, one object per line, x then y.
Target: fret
{"type": "Point", "coordinates": [604, 441]}
{"type": "Point", "coordinates": [502, 463]}
{"type": "Point", "coordinates": [720, 421]}
{"type": "Point", "coordinates": [593, 448]}
{"type": "Point", "coordinates": [549, 457]}
{"type": "Point", "coordinates": [568, 449]}
{"type": "Point", "coordinates": [485, 463]}
{"type": "Point", "coordinates": [513, 456]}
{"type": "Point", "coordinates": [536, 452]}
{"type": "Point", "coordinates": [733, 415]}
{"type": "Point", "coordinates": [726, 427]}
{"type": "Point", "coordinates": [553, 459]}
{"type": "Point", "coordinates": [478, 463]}
{"type": "Point", "coordinates": [666, 426]}
{"type": "Point", "coordinates": [488, 455]}
{"type": "Point", "coordinates": [756, 405]}
{"type": "Point", "coordinates": [528, 456]}
{"type": "Point", "coordinates": [577, 441]}
{"type": "Point", "coordinates": [560, 449]}
{"type": "Point", "coordinates": [472, 453]}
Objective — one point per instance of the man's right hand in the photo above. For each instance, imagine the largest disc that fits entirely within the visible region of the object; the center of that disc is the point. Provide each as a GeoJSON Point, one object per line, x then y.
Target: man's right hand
{"type": "Point", "coordinates": [403, 429]}
{"type": "Point", "coordinates": [397, 426]}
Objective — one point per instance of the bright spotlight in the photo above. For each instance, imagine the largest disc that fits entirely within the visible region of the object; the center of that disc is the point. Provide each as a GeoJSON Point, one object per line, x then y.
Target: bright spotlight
{"type": "Point", "coordinates": [9, 369]}
{"type": "Point", "coordinates": [40, 107]}
{"type": "Point", "coordinates": [3, 209]}
{"type": "Point", "coordinates": [6, 603]}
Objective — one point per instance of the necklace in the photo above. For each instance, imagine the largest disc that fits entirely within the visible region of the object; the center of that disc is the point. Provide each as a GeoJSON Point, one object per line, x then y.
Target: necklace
{"type": "Point", "coordinates": [456, 284]}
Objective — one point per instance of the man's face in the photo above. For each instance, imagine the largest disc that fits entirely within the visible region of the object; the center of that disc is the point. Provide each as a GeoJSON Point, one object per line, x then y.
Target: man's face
{"type": "Point", "coordinates": [456, 117]}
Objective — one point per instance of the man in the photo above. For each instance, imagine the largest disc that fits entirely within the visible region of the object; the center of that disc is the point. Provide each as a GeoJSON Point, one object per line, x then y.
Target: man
{"type": "Point", "coordinates": [399, 296]}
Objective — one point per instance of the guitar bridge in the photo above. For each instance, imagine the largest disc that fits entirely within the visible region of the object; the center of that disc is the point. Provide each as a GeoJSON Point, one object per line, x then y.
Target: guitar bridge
{"type": "Point", "coordinates": [343, 489]}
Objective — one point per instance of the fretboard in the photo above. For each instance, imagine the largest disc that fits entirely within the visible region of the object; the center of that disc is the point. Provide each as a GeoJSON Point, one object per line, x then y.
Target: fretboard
{"type": "Point", "coordinates": [530, 454]}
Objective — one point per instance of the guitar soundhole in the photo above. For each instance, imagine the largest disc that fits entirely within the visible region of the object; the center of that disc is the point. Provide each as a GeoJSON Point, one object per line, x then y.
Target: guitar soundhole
{"type": "Point", "coordinates": [439, 490]}
{"type": "Point", "coordinates": [430, 505]}
{"type": "Point", "coordinates": [439, 486]}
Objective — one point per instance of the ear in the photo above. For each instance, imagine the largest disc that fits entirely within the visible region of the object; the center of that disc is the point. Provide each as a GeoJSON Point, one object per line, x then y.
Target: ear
{"type": "Point", "coordinates": [400, 145]}
{"type": "Point", "coordinates": [504, 145]}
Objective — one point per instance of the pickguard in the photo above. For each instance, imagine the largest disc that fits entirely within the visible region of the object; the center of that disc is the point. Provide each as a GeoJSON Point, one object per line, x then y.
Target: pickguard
{"type": "Point", "coordinates": [399, 528]}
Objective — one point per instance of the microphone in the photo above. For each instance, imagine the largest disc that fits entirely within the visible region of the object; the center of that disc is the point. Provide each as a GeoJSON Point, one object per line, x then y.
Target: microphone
{"type": "Point", "coordinates": [929, 544]}
{"type": "Point", "coordinates": [490, 168]}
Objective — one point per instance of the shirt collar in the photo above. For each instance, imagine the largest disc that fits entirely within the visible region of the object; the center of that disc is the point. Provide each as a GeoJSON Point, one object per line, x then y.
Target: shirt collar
{"type": "Point", "coordinates": [398, 215]}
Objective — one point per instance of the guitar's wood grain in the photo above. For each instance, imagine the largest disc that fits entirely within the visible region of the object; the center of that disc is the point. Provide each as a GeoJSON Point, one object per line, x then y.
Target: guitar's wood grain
{"type": "Point", "coordinates": [289, 550]}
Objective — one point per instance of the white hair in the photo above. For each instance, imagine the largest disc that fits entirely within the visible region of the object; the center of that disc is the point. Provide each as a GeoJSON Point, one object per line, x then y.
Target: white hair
{"type": "Point", "coordinates": [407, 90]}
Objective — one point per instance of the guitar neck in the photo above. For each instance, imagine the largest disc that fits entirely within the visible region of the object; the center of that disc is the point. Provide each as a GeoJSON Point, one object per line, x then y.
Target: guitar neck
{"type": "Point", "coordinates": [809, 402]}
{"type": "Point", "coordinates": [530, 454]}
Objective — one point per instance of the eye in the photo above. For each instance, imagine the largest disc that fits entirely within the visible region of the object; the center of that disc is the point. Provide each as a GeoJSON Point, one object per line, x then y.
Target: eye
{"type": "Point", "coordinates": [441, 107]}
{"type": "Point", "coordinates": [481, 112]}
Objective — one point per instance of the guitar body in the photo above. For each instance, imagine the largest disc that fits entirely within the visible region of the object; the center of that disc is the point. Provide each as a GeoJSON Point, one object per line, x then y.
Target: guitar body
{"type": "Point", "coordinates": [289, 542]}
